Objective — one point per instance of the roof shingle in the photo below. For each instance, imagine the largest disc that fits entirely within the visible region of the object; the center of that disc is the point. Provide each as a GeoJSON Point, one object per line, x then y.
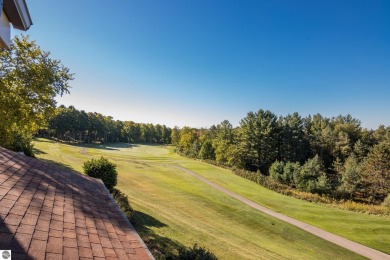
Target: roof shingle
{"type": "Point", "coordinates": [47, 211]}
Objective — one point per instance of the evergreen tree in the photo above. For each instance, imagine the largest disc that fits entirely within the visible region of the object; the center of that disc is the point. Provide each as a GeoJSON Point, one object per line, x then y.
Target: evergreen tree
{"type": "Point", "coordinates": [350, 177]}
{"type": "Point", "coordinates": [207, 151]}
{"type": "Point", "coordinates": [295, 147]}
{"type": "Point", "coordinates": [311, 171]}
{"type": "Point", "coordinates": [223, 138]}
{"type": "Point", "coordinates": [342, 146]}
{"type": "Point", "coordinates": [257, 140]}
{"type": "Point", "coordinates": [376, 171]}
{"type": "Point", "coordinates": [360, 150]}
{"type": "Point", "coordinates": [350, 126]}
{"type": "Point", "coordinates": [321, 138]}
{"type": "Point", "coordinates": [290, 172]}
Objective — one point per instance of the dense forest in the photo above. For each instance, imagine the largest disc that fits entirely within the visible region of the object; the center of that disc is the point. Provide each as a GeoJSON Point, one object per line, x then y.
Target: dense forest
{"type": "Point", "coordinates": [72, 125]}
{"type": "Point", "coordinates": [332, 156]}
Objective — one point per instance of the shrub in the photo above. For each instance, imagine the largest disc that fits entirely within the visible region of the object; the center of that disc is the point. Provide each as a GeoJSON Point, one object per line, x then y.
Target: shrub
{"type": "Point", "coordinates": [323, 185]}
{"type": "Point", "coordinates": [289, 171]}
{"type": "Point", "coordinates": [102, 169]}
{"type": "Point", "coordinates": [18, 141]}
{"type": "Point", "coordinates": [196, 253]}
{"type": "Point", "coordinates": [386, 202]}
{"type": "Point", "coordinates": [350, 177]}
{"type": "Point", "coordinates": [276, 171]}
{"type": "Point", "coordinates": [123, 202]}
{"type": "Point", "coordinates": [310, 172]}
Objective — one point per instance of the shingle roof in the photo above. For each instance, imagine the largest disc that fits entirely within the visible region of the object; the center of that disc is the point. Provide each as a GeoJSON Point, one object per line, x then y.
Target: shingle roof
{"type": "Point", "coordinates": [48, 211]}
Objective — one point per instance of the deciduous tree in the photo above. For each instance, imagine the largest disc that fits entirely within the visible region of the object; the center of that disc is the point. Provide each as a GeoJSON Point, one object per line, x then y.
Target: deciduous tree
{"type": "Point", "coordinates": [29, 82]}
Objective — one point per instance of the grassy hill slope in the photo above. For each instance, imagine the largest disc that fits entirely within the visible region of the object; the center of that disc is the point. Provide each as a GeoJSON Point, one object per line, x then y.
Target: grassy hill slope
{"type": "Point", "coordinates": [178, 209]}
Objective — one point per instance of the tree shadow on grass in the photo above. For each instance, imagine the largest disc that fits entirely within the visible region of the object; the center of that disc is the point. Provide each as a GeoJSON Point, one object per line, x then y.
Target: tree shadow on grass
{"type": "Point", "coordinates": [109, 146]}
{"type": "Point", "coordinates": [43, 140]}
{"type": "Point", "coordinates": [103, 146]}
{"type": "Point", "coordinates": [38, 151]}
{"type": "Point", "coordinates": [148, 221]}
{"type": "Point", "coordinates": [59, 164]}
{"type": "Point", "coordinates": [161, 247]}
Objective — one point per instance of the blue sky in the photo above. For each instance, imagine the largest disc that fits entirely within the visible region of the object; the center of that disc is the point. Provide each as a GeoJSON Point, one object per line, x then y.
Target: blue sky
{"type": "Point", "coordinates": [199, 62]}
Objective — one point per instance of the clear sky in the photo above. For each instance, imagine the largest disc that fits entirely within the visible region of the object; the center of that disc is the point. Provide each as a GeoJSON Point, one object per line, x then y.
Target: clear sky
{"type": "Point", "coordinates": [198, 62]}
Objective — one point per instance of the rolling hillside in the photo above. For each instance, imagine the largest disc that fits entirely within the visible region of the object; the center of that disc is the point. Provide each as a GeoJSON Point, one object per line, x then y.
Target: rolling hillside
{"type": "Point", "coordinates": [176, 208]}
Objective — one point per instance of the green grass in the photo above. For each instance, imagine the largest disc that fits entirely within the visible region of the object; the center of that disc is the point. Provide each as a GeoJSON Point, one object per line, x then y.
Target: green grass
{"type": "Point", "coordinates": [369, 230]}
{"type": "Point", "coordinates": [176, 208]}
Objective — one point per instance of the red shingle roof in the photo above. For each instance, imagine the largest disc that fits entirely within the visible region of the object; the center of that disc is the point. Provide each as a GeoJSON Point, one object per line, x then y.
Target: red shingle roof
{"type": "Point", "coordinates": [51, 212]}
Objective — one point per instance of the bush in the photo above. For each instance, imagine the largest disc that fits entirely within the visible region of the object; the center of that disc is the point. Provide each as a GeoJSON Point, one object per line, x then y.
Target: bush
{"type": "Point", "coordinates": [102, 169]}
{"type": "Point", "coordinates": [290, 171]}
{"type": "Point", "coordinates": [196, 253]}
{"type": "Point", "coordinates": [311, 171]}
{"type": "Point", "coordinates": [386, 202]}
{"type": "Point", "coordinates": [276, 171]}
{"type": "Point", "coordinates": [17, 141]}
{"type": "Point", "coordinates": [123, 202]}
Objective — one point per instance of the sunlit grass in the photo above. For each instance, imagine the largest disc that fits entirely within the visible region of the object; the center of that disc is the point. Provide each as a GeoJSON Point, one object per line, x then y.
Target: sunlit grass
{"type": "Point", "coordinates": [188, 211]}
{"type": "Point", "coordinates": [369, 230]}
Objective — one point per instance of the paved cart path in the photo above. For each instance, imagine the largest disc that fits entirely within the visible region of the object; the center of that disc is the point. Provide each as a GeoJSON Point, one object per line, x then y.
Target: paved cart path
{"type": "Point", "coordinates": [348, 244]}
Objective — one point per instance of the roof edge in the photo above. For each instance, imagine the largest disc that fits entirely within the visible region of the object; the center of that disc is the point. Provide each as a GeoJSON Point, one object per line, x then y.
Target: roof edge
{"type": "Point", "coordinates": [18, 14]}
{"type": "Point", "coordinates": [128, 223]}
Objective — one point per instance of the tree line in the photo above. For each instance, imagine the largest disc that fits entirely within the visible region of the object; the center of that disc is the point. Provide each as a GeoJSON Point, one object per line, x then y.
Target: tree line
{"type": "Point", "coordinates": [333, 156]}
{"type": "Point", "coordinates": [69, 124]}
{"type": "Point", "coordinates": [29, 82]}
